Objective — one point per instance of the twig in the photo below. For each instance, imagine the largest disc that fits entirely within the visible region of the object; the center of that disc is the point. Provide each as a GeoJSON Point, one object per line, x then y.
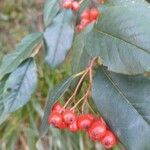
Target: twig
{"type": "Point", "coordinates": [36, 49]}
{"type": "Point", "coordinates": [78, 85]}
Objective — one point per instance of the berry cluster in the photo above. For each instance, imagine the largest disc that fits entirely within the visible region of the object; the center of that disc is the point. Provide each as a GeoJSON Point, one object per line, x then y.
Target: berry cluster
{"type": "Point", "coordinates": [101, 1]}
{"type": "Point", "coordinates": [71, 4]}
{"type": "Point", "coordinates": [95, 127]}
{"type": "Point", "coordinates": [88, 16]}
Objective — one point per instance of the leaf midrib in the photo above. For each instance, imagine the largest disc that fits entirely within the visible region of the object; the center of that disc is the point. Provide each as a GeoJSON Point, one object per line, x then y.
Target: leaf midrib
{"type": "Point", "coordinates": [20, 85]}
{"type": "Point", "coordinates": [116, 86]}
{"type": "Point", "coordinates": [113, 36]}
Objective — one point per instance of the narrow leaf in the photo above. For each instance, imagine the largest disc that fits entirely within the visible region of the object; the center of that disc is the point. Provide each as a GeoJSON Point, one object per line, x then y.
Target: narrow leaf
{"type": "Point", "coordinates": [58, 91]}
{"type": "Point", "coordinates": [58, 38]}
{"type": "Point", "coordinates": [124, 102]}
{"type": "Point", "coordinates": [23, 50]}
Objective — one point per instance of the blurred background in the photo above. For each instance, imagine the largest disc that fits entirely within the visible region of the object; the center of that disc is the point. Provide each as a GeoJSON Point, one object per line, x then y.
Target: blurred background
{"type": "Point", "coordinates": [20, 130]}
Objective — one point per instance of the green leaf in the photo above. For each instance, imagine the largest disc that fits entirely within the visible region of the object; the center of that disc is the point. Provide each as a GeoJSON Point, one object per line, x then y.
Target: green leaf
{"type": "Point", "coordinates": [80, 56]}
{"type": "Point", "coordinates": [23, 50]}
{"type": "Point", "coordinates": [2, 84]}
{"type": "Point", "coordinates": [51, 8]}
{"type": "Point", "coordinates": [57, 92]}
{"type": "Point", "coordinates": [125, 2]}
{"type": "Point", "coordinates": [20, 86]}
{"type": "Point", "coordinates": [122, 39]}
{"type": "Point", "coordinates": [58, 38]}
{"type": "Point", "coordinates": [124, 102]}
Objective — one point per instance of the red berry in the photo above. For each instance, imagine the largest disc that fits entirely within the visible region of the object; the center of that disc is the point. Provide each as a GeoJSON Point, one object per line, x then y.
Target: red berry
{"type": "Point", "coordinates": [57, 107]}
{"type": "Point", "coordinates": [85, 22]}
{"type": "Point", "coordinates": [94, 14]}
{"type": "Point", "coordinates": [97, 130]}
{"type": "Point", "coordinates": [73, 127]}
{"type": "Point", "coordinates": [68, 116]}
{"type": "Point", "coordinates": [84, 122]}
{"type": "Point", "coordinates": [63, 126]}
{"type": "Point", "coordinates": [85, 14]}
{"type": "Point", "coordinates": [80, 27]}
{"type": "Point", "coordinates": [101, 1]}
{"type": "Point", "coordinates": [109, 140]}
{"type": "Point", "coordinates": [101, 121]}
{"type": "Point", "coordinates": [90, 116]}
{"type": "Point", "coordinates": [55, 119]}
{"type": "Point", "coordinates": [75, 6]}
{"type": "Point", "coordinates": [67, 4]}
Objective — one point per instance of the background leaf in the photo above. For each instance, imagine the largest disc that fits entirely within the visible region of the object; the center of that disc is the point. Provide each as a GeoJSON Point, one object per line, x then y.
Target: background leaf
{"type": "Point", "coordinates": [58, 38]}
{"type": "Point", "coordinates": [51, 8]}
{"type": "Point", "coordinates": [20, 86]}
{"type": "Point", "coordinates": [121, 39]}
{"type": "Point", "coordinates": [124, 102]}
{"type": "Point", "coordinates": [58, 91]}
{"type": "Point", "coordinates": [23, 51]}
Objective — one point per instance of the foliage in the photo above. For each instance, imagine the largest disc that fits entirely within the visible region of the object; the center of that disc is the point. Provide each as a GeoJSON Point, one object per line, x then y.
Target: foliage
{"type": "Point", "coordinates": [120, 40]}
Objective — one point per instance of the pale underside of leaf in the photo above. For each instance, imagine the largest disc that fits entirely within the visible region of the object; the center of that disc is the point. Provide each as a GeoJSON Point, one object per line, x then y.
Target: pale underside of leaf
{"type": "Point", "coordinates": [58, 38]}
{"type": "Point", "coordinates": [51, 8]}
{"type": "Point", "coordinates": [20, 86]}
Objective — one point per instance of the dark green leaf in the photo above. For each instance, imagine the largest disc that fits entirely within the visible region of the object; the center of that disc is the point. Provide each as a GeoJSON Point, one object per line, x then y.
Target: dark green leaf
{"type": "Point", "coordinates": [124, 102]}
{"type": "Point", "coordinates": [58, 91]}
{"type": "Point", "coordinates": [124, 2]}
{"type": "Point", "coordinates": [51, 8]}
{"type": "Point", "coordinates": [80, 56]}
{"type": "Point", "coordinates": [20, 86]}
{"type": "Point", "coordinates": [58, 38]}
{"type": "Point", "coordinates": [122, 39]}
{"type": "Point", "coordinates": [23, 51]}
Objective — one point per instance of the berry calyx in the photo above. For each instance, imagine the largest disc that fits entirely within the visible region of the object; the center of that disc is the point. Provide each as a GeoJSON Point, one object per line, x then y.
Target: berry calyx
{"type": "Point", "coordinates": [67, 4]}
{"type": "Point", "coordinates": [109, 140]}
{"type": "Point", "coordinates": [68, 116]}
{"type": "Point", "coordinates": [57, 107]}
{"type": "Point", "coordinates": [55, 119]}
{"type": "Point", "coordinates": [75, 6]}
{"type": "Point", "coordinates": [73, 127]}
{"type": "Point", "coordinates": [97, 130]}
{"type": "Point", "coordinates": [84, 122]}
{"type": "Point", "coordinates": [94, 14]}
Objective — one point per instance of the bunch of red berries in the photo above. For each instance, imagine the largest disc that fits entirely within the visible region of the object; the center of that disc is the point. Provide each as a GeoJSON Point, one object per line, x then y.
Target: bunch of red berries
{"type": "Point", "coordinates": [71, 4]}
{"type": "Point", "coordinates": [95, 127]}
{"type": "Point", "coordinates": [88, 16]}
